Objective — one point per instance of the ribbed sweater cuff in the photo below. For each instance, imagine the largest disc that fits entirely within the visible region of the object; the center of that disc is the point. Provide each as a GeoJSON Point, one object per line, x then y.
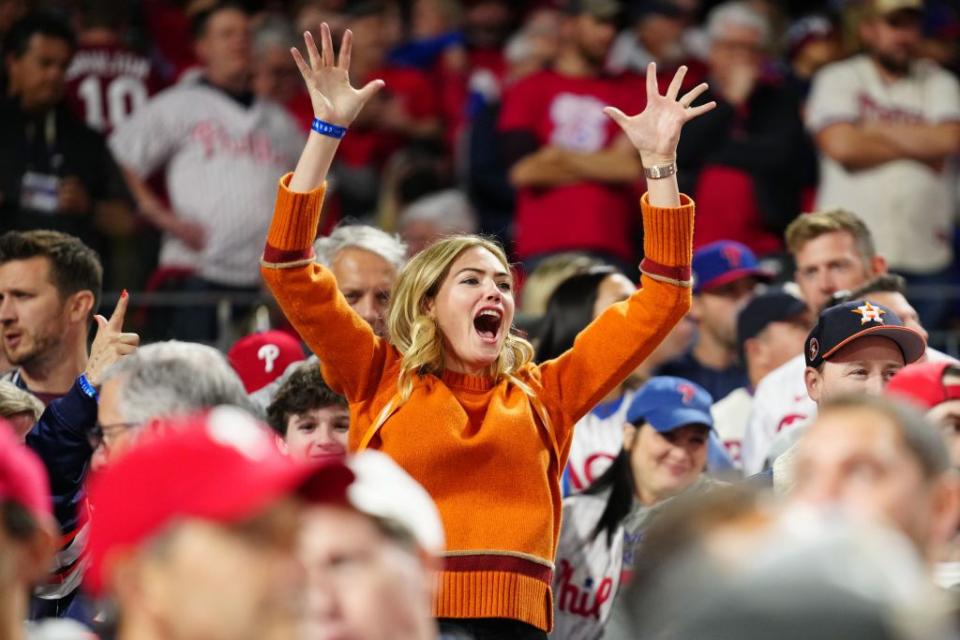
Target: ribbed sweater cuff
{"type": "Point", "coordinates": [494, 594]}
{"type": "Point", "coordinates": [668, 233]}
{"type": "Point", "coordinates": [295, 217]}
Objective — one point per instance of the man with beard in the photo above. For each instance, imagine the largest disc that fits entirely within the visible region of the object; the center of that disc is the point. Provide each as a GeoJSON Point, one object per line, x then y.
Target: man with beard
{"type": "Point", "coordinates": [567, 157]}
{"type": "Point", "coordinates": [887, 124]}
{"type": "Point", "coordinates": [50, 286]}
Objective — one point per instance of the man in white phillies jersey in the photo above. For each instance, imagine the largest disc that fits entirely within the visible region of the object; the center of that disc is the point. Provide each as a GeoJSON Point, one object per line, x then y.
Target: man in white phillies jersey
{"type": "Point", "coordinates": [221, 148]}
{"type": "Point", "coordinates": [887, 124]}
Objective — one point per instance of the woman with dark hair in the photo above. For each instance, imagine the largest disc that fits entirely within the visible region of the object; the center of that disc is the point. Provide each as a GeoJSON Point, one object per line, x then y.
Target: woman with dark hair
{"type": "Point", "coordinates": [572, 306]}
{"type": "Point", "coordinates": [575, 303]}
{"type": "Point", "coordinates": [664, 453]}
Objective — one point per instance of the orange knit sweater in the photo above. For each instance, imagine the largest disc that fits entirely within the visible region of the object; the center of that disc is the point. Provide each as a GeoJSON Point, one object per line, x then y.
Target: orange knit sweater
{"type": "Point", "coordinates": [490, 455]}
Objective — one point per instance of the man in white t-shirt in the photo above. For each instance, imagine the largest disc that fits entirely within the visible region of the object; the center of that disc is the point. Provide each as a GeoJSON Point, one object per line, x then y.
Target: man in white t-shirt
{"type": "Point", "coordinates": [771, 329]}
{"type": "Point", "coordinates": [887, 125]}
{"type": "Point", "coordinates": [222, 149]}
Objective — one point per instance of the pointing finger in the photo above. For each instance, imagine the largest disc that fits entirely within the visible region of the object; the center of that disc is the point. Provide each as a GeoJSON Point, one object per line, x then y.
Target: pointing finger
{"type": "Point", "coordinates": [116, 320]}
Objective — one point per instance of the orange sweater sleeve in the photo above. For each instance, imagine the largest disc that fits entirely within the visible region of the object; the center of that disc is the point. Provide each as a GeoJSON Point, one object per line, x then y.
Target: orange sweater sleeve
{"type": "Point", "coordinates": [352, 356]}
{"type": "Point", "coordinates": [614, 344]}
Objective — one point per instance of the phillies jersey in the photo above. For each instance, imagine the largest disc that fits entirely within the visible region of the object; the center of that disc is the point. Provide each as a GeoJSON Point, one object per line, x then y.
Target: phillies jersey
{"type": "Point", "coordinates": [107, 83]}
{"type": "Point", "coordinates": [597, 440]}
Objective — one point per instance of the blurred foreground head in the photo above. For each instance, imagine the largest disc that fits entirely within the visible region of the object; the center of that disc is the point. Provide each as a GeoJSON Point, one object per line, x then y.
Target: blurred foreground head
{"type": "Point", "coordinates": [244, 542]}
{"type": "Point", "coordinates": [729, 564]}
{"type": "Point", "coordinates": [872, 459]}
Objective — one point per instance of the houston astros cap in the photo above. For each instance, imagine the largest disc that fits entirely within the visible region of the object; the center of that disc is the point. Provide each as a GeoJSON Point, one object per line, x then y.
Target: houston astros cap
{"type": "Point", "coordinates": [667, 403]}
{"type": "Point", "coordinates": [260, 358]}
{"type": "Point", "coordinates": [841, 324]}
{"type": "Point", "coordinates": [220, 466]}
{"type": "Point", "coordinates": [723, 262]}
{"type": "Point", "coordinates": [922, 383]}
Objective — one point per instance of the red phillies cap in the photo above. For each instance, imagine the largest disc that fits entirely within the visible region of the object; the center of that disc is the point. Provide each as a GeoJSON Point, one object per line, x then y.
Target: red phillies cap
{"type": "Point", "coordinates": [22, 477]}
{"type": "Point", "coordinates": [922, 384]}
{"type": "Point", "coordinates": [261, 358]}
{"type": "Point", "coordinates": [221, 466]}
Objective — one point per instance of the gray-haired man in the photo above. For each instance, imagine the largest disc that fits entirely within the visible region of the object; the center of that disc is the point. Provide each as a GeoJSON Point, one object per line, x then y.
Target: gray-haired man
{"type": "Point", "coordinates": [161, 380]}
{"type": "Point", "coordinates": [365, 261]}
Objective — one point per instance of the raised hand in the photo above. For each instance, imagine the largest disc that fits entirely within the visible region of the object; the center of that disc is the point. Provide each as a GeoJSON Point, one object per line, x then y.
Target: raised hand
{"type": "Point", "coordinates": [328, 82]}
{"type": "Point", "coordinates": [655, 131]}
{"type": "Point", "coordinates": [110, 344]}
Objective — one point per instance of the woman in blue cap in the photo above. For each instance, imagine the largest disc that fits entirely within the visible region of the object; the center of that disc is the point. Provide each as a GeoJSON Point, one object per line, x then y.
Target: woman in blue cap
{"type": "Point", "coordinates": [665, 441]}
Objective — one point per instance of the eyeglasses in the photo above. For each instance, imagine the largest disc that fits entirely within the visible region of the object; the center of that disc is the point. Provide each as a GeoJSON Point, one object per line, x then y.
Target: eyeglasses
{"type": "Point", "coordinates": [107, 434]}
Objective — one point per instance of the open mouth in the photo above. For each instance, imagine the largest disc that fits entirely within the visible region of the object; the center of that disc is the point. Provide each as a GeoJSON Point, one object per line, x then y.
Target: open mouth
{"type": "Point", "coordinates": [487, 323]}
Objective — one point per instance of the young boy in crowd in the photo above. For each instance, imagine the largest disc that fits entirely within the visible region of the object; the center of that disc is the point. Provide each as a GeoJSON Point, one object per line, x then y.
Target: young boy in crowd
{"type": "Point", "coordinates": [309, 416]}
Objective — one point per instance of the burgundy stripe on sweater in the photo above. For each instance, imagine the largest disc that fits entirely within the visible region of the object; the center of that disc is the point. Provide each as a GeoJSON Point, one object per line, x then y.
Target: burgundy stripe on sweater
{"type": "Point", "coordinates": [680, 274]}
{"type": "Point", "coordinates": [278, 256]}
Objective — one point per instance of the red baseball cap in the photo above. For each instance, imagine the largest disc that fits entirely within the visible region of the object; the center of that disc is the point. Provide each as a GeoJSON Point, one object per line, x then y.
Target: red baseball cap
{"type": "Point", "coordinates": [23, 479]}
{"type": "Point", "coordinates": [221, 466]}
{"type": "Point", "coordinates": [261, 358]}
{"type": "Point", "coordinates": [922, 384]}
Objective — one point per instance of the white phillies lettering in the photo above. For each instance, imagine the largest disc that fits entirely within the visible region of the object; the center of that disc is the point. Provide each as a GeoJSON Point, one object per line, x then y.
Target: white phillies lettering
{"type": "Point", "coordinates": [577, 601]}
{"type": "Point", "coordinates": [269, 354]}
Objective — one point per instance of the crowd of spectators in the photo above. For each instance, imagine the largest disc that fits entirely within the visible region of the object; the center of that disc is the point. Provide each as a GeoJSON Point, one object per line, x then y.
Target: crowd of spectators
{"type": "Point", "coordinates": [175, 464]}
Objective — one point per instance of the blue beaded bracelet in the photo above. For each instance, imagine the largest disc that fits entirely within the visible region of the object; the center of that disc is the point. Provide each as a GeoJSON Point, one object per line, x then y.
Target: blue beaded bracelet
{"type": "Point", "coordinates": [327, 129]}
{"type": "Point", "coordinates": [88, 389]}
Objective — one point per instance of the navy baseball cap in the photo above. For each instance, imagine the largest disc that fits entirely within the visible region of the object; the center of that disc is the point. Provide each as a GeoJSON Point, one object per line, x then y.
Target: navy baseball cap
{"type": "Point", "coordinates": [841, 324]}
{"type": "Point", "coordinates": [667, 403]}
{"type": "Point", "coordinates": [723, 262]}
{"type": "Point", "coordinates": [773, 305]}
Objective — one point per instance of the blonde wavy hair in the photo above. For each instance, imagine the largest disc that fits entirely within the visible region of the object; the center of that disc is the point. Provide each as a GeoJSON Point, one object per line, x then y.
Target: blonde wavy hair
{"type": "Point", "coordinates": [413, 330]}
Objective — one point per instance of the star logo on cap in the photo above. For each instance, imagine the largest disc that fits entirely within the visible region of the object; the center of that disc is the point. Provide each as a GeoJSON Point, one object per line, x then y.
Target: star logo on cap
{"type": "Point", "coordinates": [869, 313]}
{"type": "Point", "coordinates": [686, 393]}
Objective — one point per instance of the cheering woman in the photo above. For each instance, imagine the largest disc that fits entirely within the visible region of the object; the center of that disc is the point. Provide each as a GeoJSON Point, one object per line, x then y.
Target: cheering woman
{"type": "Point", "coordinates": [453, 396]}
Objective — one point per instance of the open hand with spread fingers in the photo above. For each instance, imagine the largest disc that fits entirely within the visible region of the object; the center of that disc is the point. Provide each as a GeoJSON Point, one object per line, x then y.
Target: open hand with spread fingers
{"type": "Point", "coordinates": [327, 79]}
{"type": "Point", "coordinates": [655, 131]}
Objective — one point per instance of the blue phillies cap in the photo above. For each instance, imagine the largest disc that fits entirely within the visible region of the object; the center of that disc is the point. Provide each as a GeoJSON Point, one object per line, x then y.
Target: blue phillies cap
{"type": "Point", "coordinates": [667, 403]}
{"type": "Point", "coordinates": [723, 262]}
{"type": "Point", "coordinates": [841, 324]}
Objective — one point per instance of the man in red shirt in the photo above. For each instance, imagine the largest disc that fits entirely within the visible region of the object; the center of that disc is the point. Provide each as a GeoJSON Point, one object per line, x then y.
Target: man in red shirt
{"type": "Point", "coordinates": [573, 169]}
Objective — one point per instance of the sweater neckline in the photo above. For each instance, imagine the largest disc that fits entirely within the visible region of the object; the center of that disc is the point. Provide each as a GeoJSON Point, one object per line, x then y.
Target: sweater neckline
{"type": "Point", "coordinates": [467, 381]}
